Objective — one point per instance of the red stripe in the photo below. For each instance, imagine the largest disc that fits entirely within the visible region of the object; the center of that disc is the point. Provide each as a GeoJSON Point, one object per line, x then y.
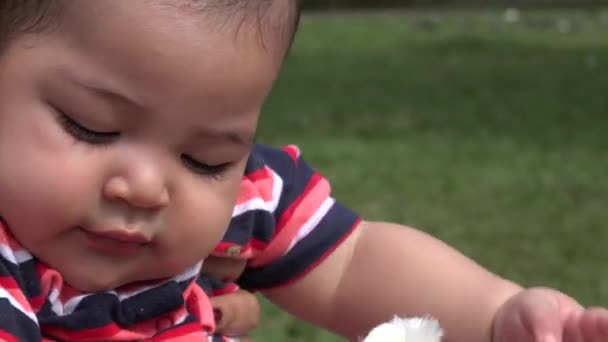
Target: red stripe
{"type": "Point", "coordinates": [89, 334]}
{"type": "Point", "coordinates": [47, 281]}
{"type": "Point", "coordinates": [8, 282]}
{"type": "Point", "coordinates": [198, 304]}
{"type": "Point", "coordinates": [188, 332]}
{"type": "Point", "coordinates": [5, 336]}
{"type": "Point", "coordinates": [307, 205]}
{"type": "Point", "coordinates": [314, 180]}
{"type": "Point", "coordinates": [229, 288]}
{"type": "Point", "coordinates": [293, 151]}
{"type": "Point", "coordinates": [259, 174]}
{"type": "Point", "coordinates": [260, 187]}
{"type": "Point", "coordinates": [258, 244]}
{"type": "Point", "coordinates": [37, 302]}
{"type": "Point", "coordinates": [10, 285]}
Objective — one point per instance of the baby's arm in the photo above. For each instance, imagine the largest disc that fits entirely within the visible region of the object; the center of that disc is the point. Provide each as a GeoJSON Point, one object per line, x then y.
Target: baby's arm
{"type": "Point", "coordinates": [384, 269]}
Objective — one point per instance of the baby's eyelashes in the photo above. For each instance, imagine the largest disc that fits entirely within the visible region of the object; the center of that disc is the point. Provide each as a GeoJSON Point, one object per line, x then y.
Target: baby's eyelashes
{"type": "Point", "coordinates": [85, 134]}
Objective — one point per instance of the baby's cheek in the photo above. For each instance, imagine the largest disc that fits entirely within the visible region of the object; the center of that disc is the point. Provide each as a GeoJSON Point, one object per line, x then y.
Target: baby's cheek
{"type": "Point", "coordinates": [200, 211]}
{"type": "Point", "coordinates": [48, 176]}
{"type": "Point", "coordinates": [195, 235]}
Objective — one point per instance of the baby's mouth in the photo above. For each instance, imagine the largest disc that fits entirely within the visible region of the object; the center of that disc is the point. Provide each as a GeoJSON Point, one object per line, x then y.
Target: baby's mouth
{"type": "Point", "coordinates": [116, 242]}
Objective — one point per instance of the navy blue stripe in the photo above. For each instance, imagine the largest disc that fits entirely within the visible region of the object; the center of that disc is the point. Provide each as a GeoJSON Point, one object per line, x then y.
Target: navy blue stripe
{"type": "Point", "coordinates": [23, 275]}
{"type": "Point", "coordinates": [29, 271]}
{"type": "Point", "coordinates": [209, 285]}
{"type": "Point", "coordinates": [258, 224]}
{"type": "Point", "coordinates": [331, 229]}
{"type": "Point", "coordinates": [16, 323]}
{"type": "Point", "coordinates": [217, 338]}
{"type": "Point", "coordinates": [101, 309]}
{"type": "Point", "coordinates": [255, 161]}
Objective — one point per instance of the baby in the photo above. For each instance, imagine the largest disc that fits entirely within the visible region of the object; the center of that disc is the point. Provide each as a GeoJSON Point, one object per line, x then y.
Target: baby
{"type": "Point", "coordinates": [128, 159]}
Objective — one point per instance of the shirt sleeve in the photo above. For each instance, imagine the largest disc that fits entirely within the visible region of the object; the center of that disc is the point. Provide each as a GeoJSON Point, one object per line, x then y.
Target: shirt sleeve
{"type": "Point", "coordinates": [17, 318]}
{"type": "Point", "coordinates": [303, 224]}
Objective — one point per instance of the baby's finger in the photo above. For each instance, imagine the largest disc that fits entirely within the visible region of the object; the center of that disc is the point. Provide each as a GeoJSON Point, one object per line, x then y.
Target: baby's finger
{"type": "Point", "coordinates": [594, 325]}
{"type": "Point", "coordinates": [222, 320]}
{"type": "Point", "coordinates": [223, 312]}
{"type": "Point", "coordinates": [236, 313]}
{"type": "Point", "coordinates": [572, 329]}
{"type": "Point", "coordinates": [540, 314]}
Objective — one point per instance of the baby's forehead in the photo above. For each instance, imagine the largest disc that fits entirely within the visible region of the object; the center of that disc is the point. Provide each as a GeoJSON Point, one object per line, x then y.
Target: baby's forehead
{"type": "Point", "coordinates": [262, 26]}
{"type": "Point", "coordinates": [162, 60]}
{"type": "Point", "coordinates": [273, 20]}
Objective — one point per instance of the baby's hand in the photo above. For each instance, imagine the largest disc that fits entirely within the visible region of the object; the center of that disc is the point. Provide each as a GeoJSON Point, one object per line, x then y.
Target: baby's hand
{"type": "Point", "coordinates": [237, 314]}
{"type": "Point", "coordinates": [546, 315]}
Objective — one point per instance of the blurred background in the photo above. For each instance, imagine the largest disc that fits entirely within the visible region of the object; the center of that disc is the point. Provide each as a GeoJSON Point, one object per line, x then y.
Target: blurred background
{"type": "Point", "coordinates": [482, 122]}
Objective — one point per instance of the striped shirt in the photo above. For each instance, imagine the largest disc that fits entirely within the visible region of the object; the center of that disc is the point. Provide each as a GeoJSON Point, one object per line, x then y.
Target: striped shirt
{"type": "Point", "coordinates": [284, 223]}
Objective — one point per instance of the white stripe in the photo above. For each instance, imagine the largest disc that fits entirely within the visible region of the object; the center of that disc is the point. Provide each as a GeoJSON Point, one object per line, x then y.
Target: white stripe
{"type": "Point", "coordinates": [55, 303]}
{"type": "Point", "coordinates": [258, 203]}
{"type": "Point", "coordinates": [68, 307]}
{"type": "Point", "coordinates": [23, 256]}
{"type": "Point", "coordinates": [186, 275]}
{"type": "Point", "coordinates": [17, 257]}
{"type": "Point", "coordinates": [253, 204]}
{"type": "Point", "coordinates": [190, 273]}
{"type": "Point", "coordinates": [17, 305]}
{"type": "Point", "coordinates": [277, 189]}
{"type": "Point", "coordinates": [7, 253]}
{"type": "Point", "coordinates": [313, 222]}
{"type": "Point", "coordinates": [181, 319]}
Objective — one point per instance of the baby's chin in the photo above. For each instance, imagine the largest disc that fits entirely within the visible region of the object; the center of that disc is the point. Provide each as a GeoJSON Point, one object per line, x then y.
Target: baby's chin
{"type": "Point", "coordinates": [91, 283]}
{"type": "Point", "coordinates": [91, 280]}
{"type": "Point", "coordinates": [95, 280]}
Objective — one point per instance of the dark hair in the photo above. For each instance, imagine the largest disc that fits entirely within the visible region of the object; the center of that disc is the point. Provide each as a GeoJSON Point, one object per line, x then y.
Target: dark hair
{"type": "Point", "coordinates": [24, 16]}
{"type": "Point", "coordinates": [19, 17]}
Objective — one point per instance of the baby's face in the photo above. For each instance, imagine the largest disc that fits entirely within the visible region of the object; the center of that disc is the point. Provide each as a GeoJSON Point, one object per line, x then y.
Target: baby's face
{"type": "Point", "coordinates": [124, 136]}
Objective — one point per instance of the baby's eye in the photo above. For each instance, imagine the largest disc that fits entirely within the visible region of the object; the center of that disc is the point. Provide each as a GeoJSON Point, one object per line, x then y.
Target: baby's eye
{"type": "Point", "coordinates": [83, 133]}
{"type": "Point", "coordinates": [204, 169]}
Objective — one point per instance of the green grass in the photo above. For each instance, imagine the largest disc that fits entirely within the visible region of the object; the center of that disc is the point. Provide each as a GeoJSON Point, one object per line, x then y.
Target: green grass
{"type": "Point", "coordinates": [489, 135]}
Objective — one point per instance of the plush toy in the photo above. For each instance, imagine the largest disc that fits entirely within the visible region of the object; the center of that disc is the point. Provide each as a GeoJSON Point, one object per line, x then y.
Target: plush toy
{"type": "Point", "coordinates": [416, 329]}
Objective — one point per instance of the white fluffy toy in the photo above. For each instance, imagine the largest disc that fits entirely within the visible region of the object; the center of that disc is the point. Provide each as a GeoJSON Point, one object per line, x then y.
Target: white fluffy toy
{"type": "Point", "coordinates": [406, 330]}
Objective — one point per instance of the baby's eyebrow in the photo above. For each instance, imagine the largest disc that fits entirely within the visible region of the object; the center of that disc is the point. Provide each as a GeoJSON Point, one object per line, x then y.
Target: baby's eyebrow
{"type": "Point", "coordinates": [101, 90]}
{"type": "Point", "coordinates": [245, 139]}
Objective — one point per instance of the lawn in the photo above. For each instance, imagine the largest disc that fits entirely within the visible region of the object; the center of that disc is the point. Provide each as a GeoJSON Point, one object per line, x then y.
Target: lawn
{"type": "Point", "coordinates": [488, 134]}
